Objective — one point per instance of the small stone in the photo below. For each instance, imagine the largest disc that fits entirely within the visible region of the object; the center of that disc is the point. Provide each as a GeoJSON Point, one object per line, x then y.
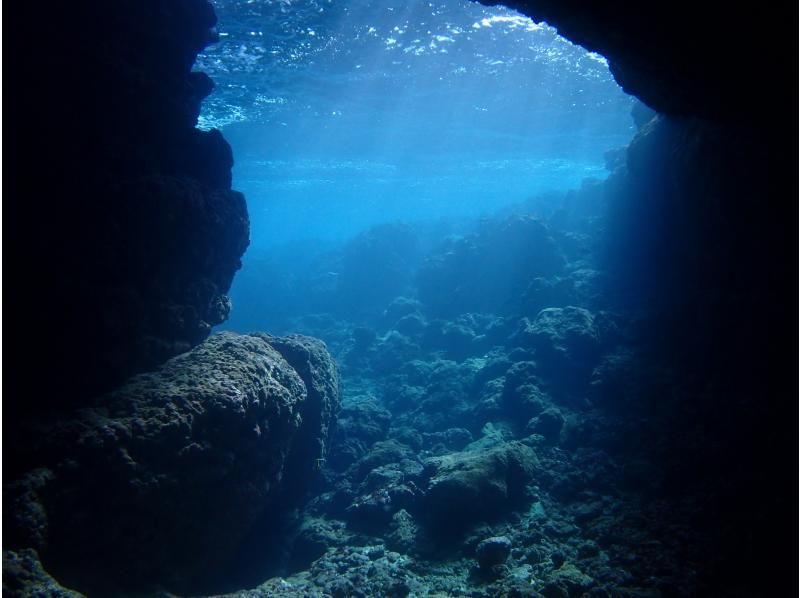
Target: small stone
{"type": "Point", "coordinates": [493, 551]}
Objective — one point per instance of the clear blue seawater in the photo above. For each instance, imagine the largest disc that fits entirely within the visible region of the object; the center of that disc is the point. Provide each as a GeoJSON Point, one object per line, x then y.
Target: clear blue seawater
{"type": "Point", "coordinates": [344, 115]}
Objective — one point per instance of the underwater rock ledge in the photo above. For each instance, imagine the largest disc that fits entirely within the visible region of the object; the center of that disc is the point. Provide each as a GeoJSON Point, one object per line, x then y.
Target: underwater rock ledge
{"type": "Point", "coordinates": [158, 488]}
{"type": "Point", "coordinates": [679, 60]}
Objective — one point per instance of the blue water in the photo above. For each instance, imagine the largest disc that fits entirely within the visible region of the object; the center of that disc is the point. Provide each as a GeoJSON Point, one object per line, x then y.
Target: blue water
{"type": "Point", "coordinates": [344, 115]}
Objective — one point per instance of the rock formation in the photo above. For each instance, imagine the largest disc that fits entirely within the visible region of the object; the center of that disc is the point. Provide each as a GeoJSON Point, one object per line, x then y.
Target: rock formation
{"type": "Point", "coordinates": [123, 212]}
{"type": "Point", "coordinates": [159, 487]}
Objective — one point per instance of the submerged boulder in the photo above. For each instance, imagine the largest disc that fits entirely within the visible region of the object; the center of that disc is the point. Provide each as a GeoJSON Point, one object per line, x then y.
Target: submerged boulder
{"type": "Point", "coordinates": [161, 486]}
{"type": "Point", "coordinates": [309, 357]}
{"type": "Point", "coordinates": [476, 485]}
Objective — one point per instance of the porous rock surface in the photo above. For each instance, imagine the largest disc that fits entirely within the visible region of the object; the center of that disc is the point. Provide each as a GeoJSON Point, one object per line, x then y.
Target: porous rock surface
{"type": "Point", "coordinates": [468, 486]}
{"type": "Point", "coordinates": [159, 487]}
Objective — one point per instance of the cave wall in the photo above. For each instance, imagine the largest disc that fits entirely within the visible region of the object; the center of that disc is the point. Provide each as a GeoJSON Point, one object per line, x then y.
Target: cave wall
{"type": "Point", "coordinates": [700, 241]}
{"type": "Point", "coordinates": [711, 59]}
{"type": "Point", "coordinates": [121, 224]}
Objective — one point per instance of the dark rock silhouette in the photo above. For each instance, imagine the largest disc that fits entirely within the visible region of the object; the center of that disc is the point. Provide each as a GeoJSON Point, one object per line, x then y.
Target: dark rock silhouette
{"type": "Point", "coordinates": [160, 486]}
{"type": "Point", "coordinates": [122, 208]}
{"type": "Point", "coordinates": [677, 59]}
{"type": "Point", "coordinates": [23, 575]}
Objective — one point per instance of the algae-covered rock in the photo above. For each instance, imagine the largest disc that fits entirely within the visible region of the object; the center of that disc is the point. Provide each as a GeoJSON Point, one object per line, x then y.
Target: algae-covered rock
{"type": "Point", "coordinates": [162, 485]}
{"type": "Point", "coordinates": [310, 359]}
{"type": "Point", "coordinates": [471, 486]}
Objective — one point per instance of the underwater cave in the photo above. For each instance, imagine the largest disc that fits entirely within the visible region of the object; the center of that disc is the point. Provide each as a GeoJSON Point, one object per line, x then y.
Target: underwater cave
{"type": "Point", "coordinates": [400, 299]}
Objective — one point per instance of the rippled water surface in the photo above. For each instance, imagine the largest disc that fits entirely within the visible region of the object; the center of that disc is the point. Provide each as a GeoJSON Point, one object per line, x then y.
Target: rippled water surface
{"type": "Point", "coordinates": [344, 114]}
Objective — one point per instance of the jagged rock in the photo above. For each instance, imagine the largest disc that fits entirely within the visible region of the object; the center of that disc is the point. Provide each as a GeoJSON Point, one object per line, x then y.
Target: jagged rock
{"type": "Point", "coordinates": [522, 394]}
{"type": "Point", "coordinates": [24, 517]}
{"type": "Point", "coordinates": [365, 420]}
{"type": "Point", "coordinates": [567, 331]}
{"type": "Point", "coordinates": [374, 510]}
{"type": "Point", "coordinates": [162, 303]}
{"type": "Point", "coordinates": [161, 485]}
{"type": "Point", "coordinates": [310, 359]}
{"type": "Point", "coordinates": [313, 538]}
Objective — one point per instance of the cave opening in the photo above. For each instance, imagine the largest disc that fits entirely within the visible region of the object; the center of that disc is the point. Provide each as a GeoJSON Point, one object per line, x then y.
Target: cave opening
{"type": "Point", "coordinates": [429, 115]}
{"type": "Point", "coordinates": [553, 319]}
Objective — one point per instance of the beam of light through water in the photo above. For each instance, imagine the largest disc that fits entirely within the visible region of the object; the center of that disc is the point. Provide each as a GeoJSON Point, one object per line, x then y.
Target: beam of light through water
{"type": "Point", "coordinates": [346, 114]}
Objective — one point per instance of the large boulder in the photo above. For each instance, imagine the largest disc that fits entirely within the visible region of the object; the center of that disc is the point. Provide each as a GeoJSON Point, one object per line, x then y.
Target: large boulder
{"type": "Point", "coordinates": [476, 485]}
{"type": "Point", "coordinates": [309, 357]}
{"type": "Point", "coordinates": [160, 486]}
